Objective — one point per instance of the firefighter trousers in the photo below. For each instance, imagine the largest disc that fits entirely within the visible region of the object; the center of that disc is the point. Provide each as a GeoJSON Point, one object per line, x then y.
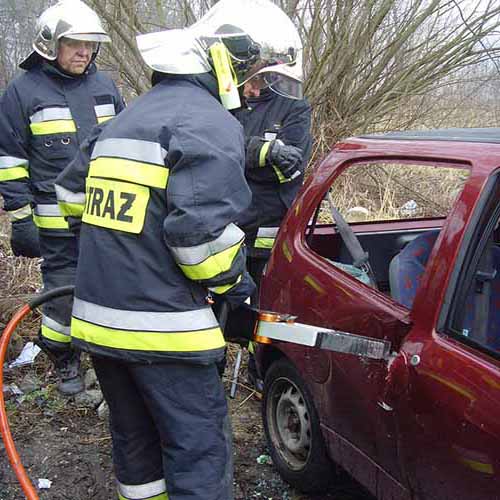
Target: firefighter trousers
{"type": "Point", "coordinates": [170, 429]}
{"type": "Point", "coordinates": [60, 255]}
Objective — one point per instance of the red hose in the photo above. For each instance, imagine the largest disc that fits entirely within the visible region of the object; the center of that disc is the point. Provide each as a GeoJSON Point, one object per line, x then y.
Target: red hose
{"type": "Point", "coordinates": [15, 461]}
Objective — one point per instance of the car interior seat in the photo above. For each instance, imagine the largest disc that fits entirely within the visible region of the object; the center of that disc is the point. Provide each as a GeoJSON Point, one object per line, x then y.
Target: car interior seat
{"type": "Point", "coordinates": [408, 266]}
{"type": "Point", "coordinates": [483, 301]}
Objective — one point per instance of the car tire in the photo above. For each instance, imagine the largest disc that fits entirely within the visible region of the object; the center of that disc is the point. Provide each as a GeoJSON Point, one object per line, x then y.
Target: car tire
{"type": "Point", "coordinates": [293, 432]}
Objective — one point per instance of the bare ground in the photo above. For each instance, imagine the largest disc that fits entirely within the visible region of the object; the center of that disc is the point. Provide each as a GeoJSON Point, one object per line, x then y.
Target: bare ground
{"type": "Point", "coordinates": [66, 442]}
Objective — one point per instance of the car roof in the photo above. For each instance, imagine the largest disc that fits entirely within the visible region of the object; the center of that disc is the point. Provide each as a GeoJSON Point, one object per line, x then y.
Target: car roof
{"type": "Point", "coordinates": [485, 135]}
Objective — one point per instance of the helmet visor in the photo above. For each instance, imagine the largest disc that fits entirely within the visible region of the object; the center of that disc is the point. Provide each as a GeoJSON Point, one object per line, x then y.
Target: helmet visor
{"type": "Point", "coordinates": [89, 37]}
{"type": "Point", "coordinates": [279, 78]}
{"type": "Point", "coordinates": [252, 30]}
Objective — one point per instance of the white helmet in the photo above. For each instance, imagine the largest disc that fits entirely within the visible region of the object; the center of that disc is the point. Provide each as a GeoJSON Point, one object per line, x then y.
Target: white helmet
{"type": "Point", "coordinates": [70, 19]}
{"type": "Point", "coordinates": [257, 35]}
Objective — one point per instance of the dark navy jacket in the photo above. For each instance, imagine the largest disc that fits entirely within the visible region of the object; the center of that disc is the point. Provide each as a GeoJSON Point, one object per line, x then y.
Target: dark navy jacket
{"type": "Point", "coordinates": [271, 116]}
{"type": "Point", "coordinates": [159, 202]}
{"type": "Point", "coordinates": [45, 115]}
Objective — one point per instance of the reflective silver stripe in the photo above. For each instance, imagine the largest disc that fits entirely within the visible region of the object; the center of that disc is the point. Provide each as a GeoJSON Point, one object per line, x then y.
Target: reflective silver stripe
{"type": "Point", "coordinates": [56, 326]}
{"type": "Point", "coordinates": [49, 114]}
{"type": "Point", "coordinates": [20, 213]}
{"type": "Point", "coordinates": [297, 333]}
{"type": "Point", "coordinates": [48, 210]}
{"type": "Point", "coordinates": [144, 321]}
{"type": "Point", "coordinates": [141, 491]}
{"type": "Point", "coordinates": [68, 196]}
{"type": "Point", "coordinates": [104, 110]}
{"type": "Point", "coordinates": [131, 149]}
{"type": "Point", "coordinates": [267, 232]}
{"type": "Point", "coordinates": [191, 256]}
{"type": "Point", "coordinates": [12, 161]}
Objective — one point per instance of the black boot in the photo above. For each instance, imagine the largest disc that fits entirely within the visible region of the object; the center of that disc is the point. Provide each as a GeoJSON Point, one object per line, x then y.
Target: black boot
{"type": "Point", "coordinates": [67, 365]}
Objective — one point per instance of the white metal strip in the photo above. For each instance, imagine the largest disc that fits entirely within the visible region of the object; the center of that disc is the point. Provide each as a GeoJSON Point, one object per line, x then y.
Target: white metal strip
{"type": "Point", "coordinates": [297, 333]}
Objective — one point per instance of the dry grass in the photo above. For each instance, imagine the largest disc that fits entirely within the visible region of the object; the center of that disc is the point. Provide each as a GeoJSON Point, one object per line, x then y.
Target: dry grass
{"type": "Point", "coordinates": [383, 189]}
{"type": "Point", "coordinates": [19, 279]}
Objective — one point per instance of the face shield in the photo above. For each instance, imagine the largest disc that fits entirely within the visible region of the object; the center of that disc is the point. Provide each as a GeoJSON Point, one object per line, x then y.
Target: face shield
{"type": "Point", "coordinates": [282, 79]}
{"type": "Point", "coordinates": [229, 40]}
{"type": "Point", "coordinates": [256, 32]}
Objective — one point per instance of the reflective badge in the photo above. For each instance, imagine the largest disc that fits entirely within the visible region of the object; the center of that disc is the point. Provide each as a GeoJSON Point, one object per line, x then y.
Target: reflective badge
{"type": "Point", "coordinates": [116, 205]}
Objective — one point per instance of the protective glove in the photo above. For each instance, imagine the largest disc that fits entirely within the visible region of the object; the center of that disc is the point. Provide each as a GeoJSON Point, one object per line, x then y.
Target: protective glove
{"type": "Point", "coordinates": [75, 224]}
{"type": "Point", "coordinates": [24, 239]}
{"type": "Point", "coordinates": [287, 158]}
{"type": "Point", "coordinates": [239, 293]}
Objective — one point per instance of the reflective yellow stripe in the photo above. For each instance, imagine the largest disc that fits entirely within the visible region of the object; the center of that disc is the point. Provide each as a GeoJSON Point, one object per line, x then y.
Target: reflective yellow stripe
{"type": "Point", "coordinates": [53, 127]}
{"type": "Point", "coordinates": [71, 209]}
{"type": "Point", "coordinates": [262, 155]}
{"type": "Point", "coordinates": [225, 288]}
{"type": "Point", "coordinates": [281, 178]}
{"type": "Point", "coordinates": [102, 119]}
{"type": "Point", "coordinates": [264, 243]}
{"type": "Point", "coordinates": [203, 340]}
{"type": "Point", "coordinates": [251, 347]}
{"type": "Point", "coordinates": [213, 266]}
{"type": "Point", "coordinates": [11, 174]}
{"type": "Point", "coordinates": [161, 496]}
{"type": "Point", "coordinates": [54, 336]}
{"type": "Point", "coordinates": [130, 170]}
{"type": "Point", "coordinates": [20, 213]}
{"type": "Point", "coordinates": [44, 222]}
{"type": "Point", "coordinates": [116, 205]}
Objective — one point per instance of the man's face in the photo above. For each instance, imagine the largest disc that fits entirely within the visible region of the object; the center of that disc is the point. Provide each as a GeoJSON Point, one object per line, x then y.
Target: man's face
{"type": "Point", "coordinates": [74, 56]}
{"type": "Point", "coordinates": [253, 87]}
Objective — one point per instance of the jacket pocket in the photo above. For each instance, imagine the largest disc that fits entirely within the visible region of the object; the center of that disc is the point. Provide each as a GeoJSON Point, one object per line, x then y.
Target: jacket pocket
{"type": "Point", "coordinates": [54, 146]}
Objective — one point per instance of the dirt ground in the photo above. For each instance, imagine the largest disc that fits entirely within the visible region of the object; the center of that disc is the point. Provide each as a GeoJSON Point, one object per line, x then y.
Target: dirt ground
{"type": "Point", "coordinates": [68, 443]}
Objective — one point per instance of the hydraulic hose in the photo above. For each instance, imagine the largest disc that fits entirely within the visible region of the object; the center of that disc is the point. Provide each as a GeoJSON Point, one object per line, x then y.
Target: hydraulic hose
{"type": "Point", "coordinates": [15, 461]}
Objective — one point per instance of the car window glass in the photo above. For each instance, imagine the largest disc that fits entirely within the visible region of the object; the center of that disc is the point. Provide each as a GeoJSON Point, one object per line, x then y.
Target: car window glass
{"type": "Point", "coordinates": [394, 191]}
{"type": "Point", "coordinates": [476, 311]}
{"type": "Point", "coordinates": [395, 198]}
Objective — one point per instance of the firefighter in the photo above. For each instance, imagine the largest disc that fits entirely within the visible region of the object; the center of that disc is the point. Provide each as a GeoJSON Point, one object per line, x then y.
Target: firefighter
{"type": "Point", "coordinates": [278, 148]}
{"type": "Point", "coordinates": [45, 115]}
{"type": "Point", "coordinates": [159, 201]}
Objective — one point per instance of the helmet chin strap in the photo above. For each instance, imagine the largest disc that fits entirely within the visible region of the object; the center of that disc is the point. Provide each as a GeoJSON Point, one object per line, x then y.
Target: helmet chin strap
{"type": "Point", "coordinates": [94, 54]}
{"type": "Point", "coordinates": [224, 71]}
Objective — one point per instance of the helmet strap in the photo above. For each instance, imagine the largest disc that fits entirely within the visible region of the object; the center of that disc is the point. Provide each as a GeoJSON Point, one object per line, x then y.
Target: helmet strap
{"type": "Point", "coordinates": [226, 77]}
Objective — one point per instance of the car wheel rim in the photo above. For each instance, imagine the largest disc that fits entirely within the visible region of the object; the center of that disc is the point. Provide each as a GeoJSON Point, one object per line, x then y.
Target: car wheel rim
{"type": "Point", "coordinates": [290, 424]}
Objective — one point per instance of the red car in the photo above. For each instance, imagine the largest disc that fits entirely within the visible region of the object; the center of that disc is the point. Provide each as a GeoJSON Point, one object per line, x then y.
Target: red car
{"type": "Point", "coordinates": [381, 349]}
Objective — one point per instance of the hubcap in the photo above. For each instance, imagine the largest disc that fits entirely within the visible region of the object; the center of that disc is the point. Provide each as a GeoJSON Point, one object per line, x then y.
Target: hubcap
{"type": "Point", "coordinates": [290, 425]}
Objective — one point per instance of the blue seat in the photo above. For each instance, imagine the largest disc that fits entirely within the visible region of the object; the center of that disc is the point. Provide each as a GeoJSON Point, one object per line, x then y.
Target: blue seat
{"type": "Point", "coordinates": [491, 338]}
{"type": "Point", "coordinates": [405, 273]}
{"type": "Point", "coordinates": [408, 266]}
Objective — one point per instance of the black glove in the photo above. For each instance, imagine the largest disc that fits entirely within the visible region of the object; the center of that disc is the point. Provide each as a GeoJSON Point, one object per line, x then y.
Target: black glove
{"type": "Point", "coordinates": [240, 292]}
{"type": "Point", "coordinates": [287, 158]}
{"type": "Point", "coordinates": [24, 239]}
{"type": "Point", "coordinates": [75, 224]}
